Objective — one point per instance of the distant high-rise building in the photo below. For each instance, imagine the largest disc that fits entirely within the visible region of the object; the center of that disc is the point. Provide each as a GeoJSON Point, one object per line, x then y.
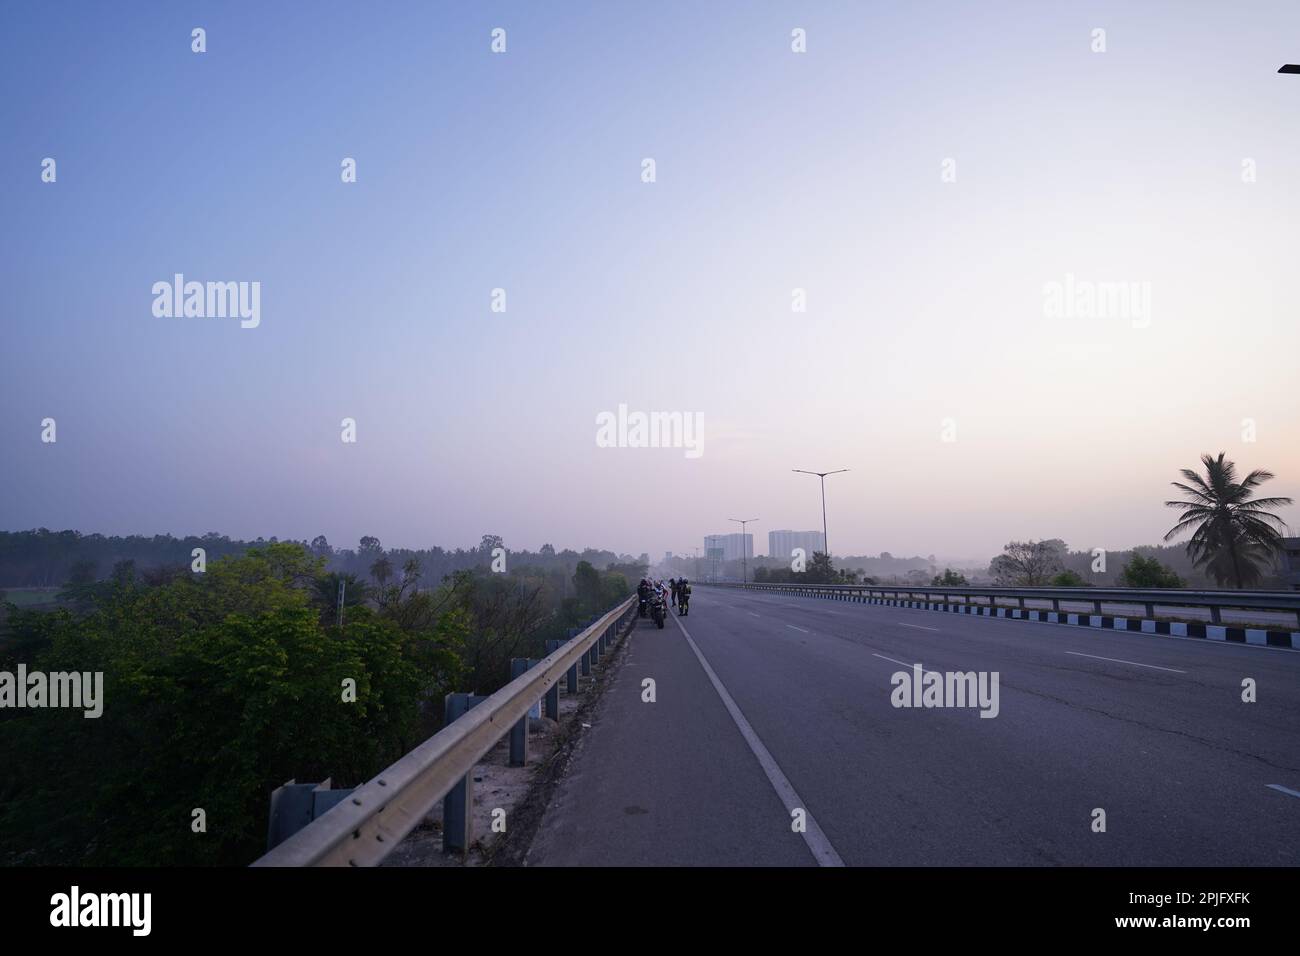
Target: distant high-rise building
{"type": "Point", "coordinates": [668, 555]}
{"type": "Point", "coordinates": [781, 544]}
{"type": "Point", "coordinates": [729, 547]}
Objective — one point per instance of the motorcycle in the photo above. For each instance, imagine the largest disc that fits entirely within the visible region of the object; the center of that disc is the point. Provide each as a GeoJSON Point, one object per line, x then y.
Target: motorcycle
{"type": "Point", "coordinates": [658, 611]}
{"type": "Point", "coordinates": [683, 603]}
{"type": "Point", "coordinates": [643, 606]}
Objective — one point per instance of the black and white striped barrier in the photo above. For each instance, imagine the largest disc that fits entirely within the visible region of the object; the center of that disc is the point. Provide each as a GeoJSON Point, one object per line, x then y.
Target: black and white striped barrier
{"type": "Point", "coordinates": [1212, 632]}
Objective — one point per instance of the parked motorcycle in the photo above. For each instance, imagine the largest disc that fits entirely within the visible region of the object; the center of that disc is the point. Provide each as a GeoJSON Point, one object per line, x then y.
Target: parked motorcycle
{"type": "Point", "coordinates": [658, 611]}
{"type": "Point", "coordinates": [683, 603]}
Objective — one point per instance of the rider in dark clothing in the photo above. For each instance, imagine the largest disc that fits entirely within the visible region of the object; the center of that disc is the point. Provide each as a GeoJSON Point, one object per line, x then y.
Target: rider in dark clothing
{"type": "Point", "coordinates": [672, 583]}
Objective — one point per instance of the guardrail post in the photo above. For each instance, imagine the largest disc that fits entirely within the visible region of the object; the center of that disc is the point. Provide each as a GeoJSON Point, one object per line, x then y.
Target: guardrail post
{"type": "Point", "coordinates": [1096, 607]}
{"type": "Point", "coordinates": [519, 732]}
{"type": "Point", "coordinates": [1215, 616]}
{"type": "Point", "coordinates": [1151, 610]}
{"type": "Point", "coordinates": [571, 686]}
{"type": "Point", "coordinates": [457, 815]}
{"type": "Point", "coordinates": [552, 709]}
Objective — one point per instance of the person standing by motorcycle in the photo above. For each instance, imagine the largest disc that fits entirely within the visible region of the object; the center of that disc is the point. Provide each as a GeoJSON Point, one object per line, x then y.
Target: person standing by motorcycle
{"type": "Point", "coordinates": [672, 584]}
{"type": "Point", "coordinates": [659, 604]}
{"type": "Point", "coordinates": [683, 596]}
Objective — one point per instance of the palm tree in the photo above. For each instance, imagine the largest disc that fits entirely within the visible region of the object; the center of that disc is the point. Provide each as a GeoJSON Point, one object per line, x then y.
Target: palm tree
{"type": "Point", "coordinates": [1233, 532]}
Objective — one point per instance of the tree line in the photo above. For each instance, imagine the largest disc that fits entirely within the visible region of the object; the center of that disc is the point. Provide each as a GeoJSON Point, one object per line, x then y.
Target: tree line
{"type": "Point", "coordinates": [220, 686]}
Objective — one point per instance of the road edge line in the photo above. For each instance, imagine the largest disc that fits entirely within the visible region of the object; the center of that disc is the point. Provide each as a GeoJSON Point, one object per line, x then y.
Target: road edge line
{"type": "Point", "coordinates": [813, 834]}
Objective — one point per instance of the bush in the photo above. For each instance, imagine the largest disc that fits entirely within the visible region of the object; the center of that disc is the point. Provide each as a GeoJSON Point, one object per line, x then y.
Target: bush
{"type": "Point", "coordinates": [1143, 572]}
{"type": "Point", "coordinates": [1068, 579]}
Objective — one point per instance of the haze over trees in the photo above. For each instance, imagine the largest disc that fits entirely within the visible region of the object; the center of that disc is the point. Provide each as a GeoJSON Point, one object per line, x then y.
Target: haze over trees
{"type": "Point", "coordinates": [45, 558]}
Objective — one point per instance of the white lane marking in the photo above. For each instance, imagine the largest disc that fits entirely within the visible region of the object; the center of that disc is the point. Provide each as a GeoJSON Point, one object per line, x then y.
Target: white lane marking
{"type": "Point", "coordinates": [752, 614]}
{"type": "Point", "coordinates": [891, 660]}
{"type": "Point", "coordinates": [820, 846]}
{"type": "Point", "coordinates": [919, 627]}
{"type": "Point", "coordinates": [796, 628]}
{"type": "Point", "coordinates": [1278, 786]}
{"type": "Point", "coordinates": [1116, 660]}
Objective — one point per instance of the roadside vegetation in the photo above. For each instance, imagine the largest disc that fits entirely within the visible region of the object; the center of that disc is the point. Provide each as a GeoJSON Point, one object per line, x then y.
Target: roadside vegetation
{"type": "Point", "coordinates": [220, 686]}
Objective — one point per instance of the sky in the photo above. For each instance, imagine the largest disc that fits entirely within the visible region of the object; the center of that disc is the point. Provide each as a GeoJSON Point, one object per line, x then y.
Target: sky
{"type": "Point", "coordinates": [926, 173]}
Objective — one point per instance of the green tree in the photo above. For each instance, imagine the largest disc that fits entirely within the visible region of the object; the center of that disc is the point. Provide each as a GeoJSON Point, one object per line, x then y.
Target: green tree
{"type": "Point", "coordinates": [949, 578]}
{"type": "Point", "coordinates": [587, 586]}
{"type": "Point", "coordinates": [82, 572]}
{"type": "Point", "coordinates": [820, 569]}
{"type": "Point", "coordinates": [325, 594]}
{"type": "Point", "coordinates": [1233, 532]}
{"type": "Point", "coordinates": [217, 688]}
{"type": "Point", "coordinates": [1027, 563]}
{"type": "Point", "coordinates": [1142, 572]}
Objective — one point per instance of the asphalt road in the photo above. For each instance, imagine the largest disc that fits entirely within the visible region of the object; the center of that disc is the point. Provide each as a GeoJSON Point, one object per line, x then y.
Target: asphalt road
{"type": "Point", "coordinates": [797, 715]}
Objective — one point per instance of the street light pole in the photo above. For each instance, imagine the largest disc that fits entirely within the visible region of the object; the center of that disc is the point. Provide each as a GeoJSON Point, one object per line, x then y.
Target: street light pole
{"type": "Point", "coordinates": [744, 556]}
{"type": "Point", "coordinates": [822, 475]}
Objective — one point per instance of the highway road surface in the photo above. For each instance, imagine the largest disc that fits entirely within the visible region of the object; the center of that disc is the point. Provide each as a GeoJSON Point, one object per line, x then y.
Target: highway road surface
{"type": "Point", "coordinates": [773, 739]}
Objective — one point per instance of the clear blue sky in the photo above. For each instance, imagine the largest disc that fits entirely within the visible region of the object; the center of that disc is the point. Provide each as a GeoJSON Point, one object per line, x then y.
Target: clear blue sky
{"type": "Point", "coordinates": [775, 171]}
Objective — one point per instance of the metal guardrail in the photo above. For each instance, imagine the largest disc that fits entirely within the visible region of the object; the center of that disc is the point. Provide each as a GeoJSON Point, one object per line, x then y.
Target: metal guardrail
{"type": "Point", "coordinates": [369, 824]}
{"type": "Point", "coordinates": [1214, 601]}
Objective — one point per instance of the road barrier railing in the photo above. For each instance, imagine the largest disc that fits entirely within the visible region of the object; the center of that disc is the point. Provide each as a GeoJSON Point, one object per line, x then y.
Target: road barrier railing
{"type": "Point", "coordinates": [367, 825]}
{"type": "Point", "coordinates": [1278, 602]}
